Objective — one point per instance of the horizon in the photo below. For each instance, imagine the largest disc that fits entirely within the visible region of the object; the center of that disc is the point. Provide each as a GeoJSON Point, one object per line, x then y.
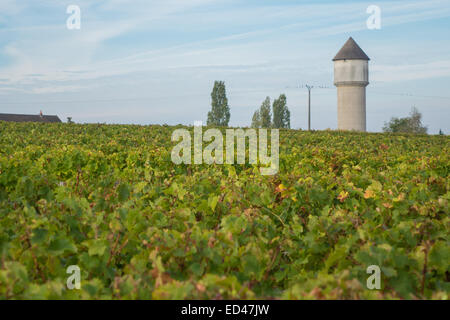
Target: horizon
{"type": "Point", "coordinates": [105, 73]}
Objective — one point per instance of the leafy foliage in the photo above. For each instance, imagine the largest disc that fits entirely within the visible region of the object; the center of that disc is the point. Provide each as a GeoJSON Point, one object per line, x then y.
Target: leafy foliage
{"type": "Point", "coordinates": [266, 115]}
{"type": "Point", "coordinates": [220, 112]}
{"type": "Point", "coordinates": [411, 124]}
{"type": "Point", "coordinates": [108, 199]}
{"type": "Point", "coordinates": [281, 113]}
{"type": "Point", "coordinates": [256, 120]}
{"type": "Point", "coordinates": [262, 118]}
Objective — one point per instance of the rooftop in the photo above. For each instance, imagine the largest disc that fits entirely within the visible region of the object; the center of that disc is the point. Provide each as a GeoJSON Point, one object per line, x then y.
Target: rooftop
{"type": "Point", "coordinates": [28, 118]}
{"type": "Point", "coordinates": [351, 51]}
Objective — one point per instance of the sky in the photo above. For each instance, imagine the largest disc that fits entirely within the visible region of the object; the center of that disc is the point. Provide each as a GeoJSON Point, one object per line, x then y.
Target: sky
{"type": "Point", "coordinates": [155, 61]}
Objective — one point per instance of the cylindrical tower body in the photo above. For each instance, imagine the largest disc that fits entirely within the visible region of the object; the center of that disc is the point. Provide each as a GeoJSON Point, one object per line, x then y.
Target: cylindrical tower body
{"type": "Point", "coordinates": [351, 76]}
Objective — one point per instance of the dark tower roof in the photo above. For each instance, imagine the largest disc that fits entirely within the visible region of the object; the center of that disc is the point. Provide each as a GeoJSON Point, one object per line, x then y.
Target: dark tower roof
{"type": "Point", "coordinates": [351, 51]}
{"type": "Point", "coordinates": [28, 118]}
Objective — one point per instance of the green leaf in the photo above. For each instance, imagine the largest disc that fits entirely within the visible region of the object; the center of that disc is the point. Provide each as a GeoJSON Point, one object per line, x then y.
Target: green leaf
{"type": "Point", "coordinates": [334, 257]}
{"type": "Point", "coordinates": [60, 245]}
{"type": "Point", "coordinates": [97, 247]}
{"type": "Point", "coordinates": [439, 257]}
{"type": "Point", "coordinates": [212, 202]}
{"type": "Point", "coordinates": [197, 269]}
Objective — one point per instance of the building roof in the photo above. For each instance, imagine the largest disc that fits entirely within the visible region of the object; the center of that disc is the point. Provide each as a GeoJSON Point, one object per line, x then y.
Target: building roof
{"type": "Point", "coordinates": [351, 51]}
{"type": "Point", "coordinates": [28, 118]}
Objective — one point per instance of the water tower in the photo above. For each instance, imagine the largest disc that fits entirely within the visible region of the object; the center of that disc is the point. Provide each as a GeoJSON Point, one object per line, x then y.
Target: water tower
{"type": "Point", "coordinates": [351, 77]}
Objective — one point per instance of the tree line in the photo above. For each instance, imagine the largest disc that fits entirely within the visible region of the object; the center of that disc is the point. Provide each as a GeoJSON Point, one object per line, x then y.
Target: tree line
{"type": "Point", "coordinates": [277, 114]}
{"type": "Point", "coordinates": [262, 118]}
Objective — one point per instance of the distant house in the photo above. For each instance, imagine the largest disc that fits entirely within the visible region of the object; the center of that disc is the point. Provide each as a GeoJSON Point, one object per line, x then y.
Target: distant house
{"type": "Point", "coordinates": [28, 118]}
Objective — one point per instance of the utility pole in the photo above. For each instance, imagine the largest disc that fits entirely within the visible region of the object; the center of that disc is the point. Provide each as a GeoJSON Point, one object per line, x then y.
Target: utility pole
{"type": "Point", "coordinates": [309, 105]}
{"type": "Point", "coordinates": [309, 87]}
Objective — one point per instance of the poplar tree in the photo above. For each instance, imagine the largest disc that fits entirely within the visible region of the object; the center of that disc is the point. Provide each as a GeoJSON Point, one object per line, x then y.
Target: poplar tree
{"type": "Point", "coordinates": [220, 111]}
{"type": "Point", "coordinates": [265, 114]}
{"type": "Point", "coordinates": [281, 113]}
{"type": "Point", "coordinates": [256, 120]}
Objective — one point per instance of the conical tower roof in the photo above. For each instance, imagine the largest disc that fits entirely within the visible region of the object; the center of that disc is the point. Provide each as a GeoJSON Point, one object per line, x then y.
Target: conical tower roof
{"type": "Point", "coordinates": [351, 51]}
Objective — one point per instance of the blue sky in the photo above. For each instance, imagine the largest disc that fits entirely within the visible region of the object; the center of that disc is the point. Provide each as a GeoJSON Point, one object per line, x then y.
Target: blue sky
{"type": "Point", "coordinates": [155, 61]}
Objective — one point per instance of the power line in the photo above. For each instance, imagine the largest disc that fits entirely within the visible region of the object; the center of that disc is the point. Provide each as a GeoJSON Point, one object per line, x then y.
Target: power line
{"type": "Point", "coordinates": [310, 87]}
{"type": "Point", "coordinates": [404, 94]}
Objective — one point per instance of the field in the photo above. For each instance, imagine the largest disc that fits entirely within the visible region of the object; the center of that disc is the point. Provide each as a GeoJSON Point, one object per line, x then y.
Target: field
{"type": "Point", "coordinates": [108, 199]}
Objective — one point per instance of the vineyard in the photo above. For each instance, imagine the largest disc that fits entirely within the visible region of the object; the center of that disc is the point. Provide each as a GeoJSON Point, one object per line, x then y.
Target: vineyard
{"type": "Point", "coordinates": [108, 199]}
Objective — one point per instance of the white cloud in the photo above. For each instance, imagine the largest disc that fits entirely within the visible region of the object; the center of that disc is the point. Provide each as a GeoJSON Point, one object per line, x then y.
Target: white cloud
{"type": "Point", "coordinates": [77, 51]}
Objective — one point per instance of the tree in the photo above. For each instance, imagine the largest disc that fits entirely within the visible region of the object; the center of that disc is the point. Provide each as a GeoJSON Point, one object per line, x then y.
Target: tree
{"type": "Point", "coordinates": [220, 112]}
{"type": "Point", "coordinates": [256, 120]}
{"type": "Point", "coordinates": [281, 114]}
{"type": "Point", "coordinates": [416, 121]}
{"type": "Point", "coordinates": [262, 118]}
{"type": "Point", "coordinates": [411, 124]}
{"type": "Point", "coordinates": [441, 133]}
{"type": "Point", "coordinates": [265, 114]}
{"type": "Point", "coordinates": [69, 120]}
